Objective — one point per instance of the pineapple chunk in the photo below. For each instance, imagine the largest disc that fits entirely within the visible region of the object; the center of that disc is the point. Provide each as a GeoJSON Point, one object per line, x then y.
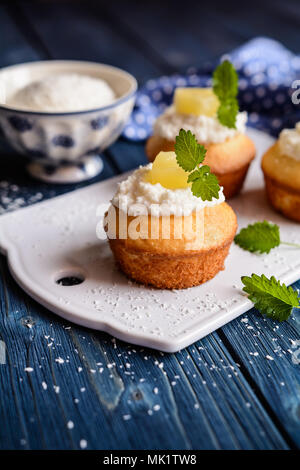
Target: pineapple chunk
{"type": "Point", "coordinates": [196, 101]}
{"type": "Point", "coordinates": [166, 171]}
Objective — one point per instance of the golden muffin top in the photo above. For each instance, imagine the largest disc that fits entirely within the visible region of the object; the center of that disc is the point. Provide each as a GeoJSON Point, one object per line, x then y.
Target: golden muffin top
{"type": "Point", "coordinates": [280, 167]}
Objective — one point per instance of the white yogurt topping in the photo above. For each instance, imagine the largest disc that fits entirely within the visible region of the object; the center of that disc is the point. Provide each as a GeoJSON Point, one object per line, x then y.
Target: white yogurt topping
{"type": "Point", "coordinates": [63, 93]}
{"type": "Point", "coordinates": [289, 142]}
{"type": "Point", "coordinates": [136, 197]}
{"type": "Point", "coordinates": [206, 129]}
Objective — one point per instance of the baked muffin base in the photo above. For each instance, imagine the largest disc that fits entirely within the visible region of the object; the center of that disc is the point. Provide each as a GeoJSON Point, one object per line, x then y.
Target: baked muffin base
{"type": "Point", "coordinates": [283, 199]}
{"type": "Point", "coordinates": [233, 181]}
{"type": "Point", "coordinates": [174, 263]}
{"type": "Point", "coordinates": [229, 161]}
{"type": "Point", "coordinates": [170, 272]}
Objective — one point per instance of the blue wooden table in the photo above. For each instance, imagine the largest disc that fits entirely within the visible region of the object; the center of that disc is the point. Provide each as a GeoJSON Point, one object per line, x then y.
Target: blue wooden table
{"type": "Point", "coordinates": [66, 387]}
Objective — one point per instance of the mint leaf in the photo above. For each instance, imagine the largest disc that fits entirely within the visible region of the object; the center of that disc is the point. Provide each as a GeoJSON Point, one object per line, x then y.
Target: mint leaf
{"type": "Point", "coordinates": [227, 112]}
{"type": "Point", "coordinates": [271, 298]}
{"type": "Point", "coordinates": [260, 237]}
{"type": "Point", "coordinates": [189, 154]}
{"type": "Point", "coordinates": [225, 81]}
{"type": "Point", "coordinates": [204, 183]}
{"type": "Point", "coordinates": [225, 87]}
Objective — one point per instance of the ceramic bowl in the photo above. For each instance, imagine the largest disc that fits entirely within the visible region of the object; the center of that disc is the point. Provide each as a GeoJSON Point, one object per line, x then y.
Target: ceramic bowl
{"type": "Point", "coordinates": [64, 147]}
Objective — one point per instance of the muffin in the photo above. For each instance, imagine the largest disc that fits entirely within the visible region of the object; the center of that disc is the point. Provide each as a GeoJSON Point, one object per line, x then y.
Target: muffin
{"type": "Point", "coordinates": [229, 150]}
{"type": "Point", "coordinates": [164, 236]}
{"type": "Point", "coordinates": [281, 168]}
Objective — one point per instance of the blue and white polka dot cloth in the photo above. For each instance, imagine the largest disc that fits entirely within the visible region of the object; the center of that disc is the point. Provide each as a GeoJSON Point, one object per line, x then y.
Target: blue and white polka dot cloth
{"type": "Point", "coordinates": [267, 73]}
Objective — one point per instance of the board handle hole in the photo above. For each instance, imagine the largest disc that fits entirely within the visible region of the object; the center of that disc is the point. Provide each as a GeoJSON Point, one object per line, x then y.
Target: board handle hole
{"type": "Point", "coordinates": [69, 279]}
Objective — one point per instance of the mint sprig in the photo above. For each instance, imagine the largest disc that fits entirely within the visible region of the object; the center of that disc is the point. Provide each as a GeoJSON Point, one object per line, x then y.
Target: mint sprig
{"type": "Point", "coordinates": [227, 113]}
{"type": "Point", "coordinates": [260, 237]}
{"type": "Point", "coordinates": [204, 183]}
{"type": "Point", "coordinates": [189, 155]}
{"type": "Point", "coordinates": [270, 297]}
{"type": "Point", "coordinates": [225, 87]}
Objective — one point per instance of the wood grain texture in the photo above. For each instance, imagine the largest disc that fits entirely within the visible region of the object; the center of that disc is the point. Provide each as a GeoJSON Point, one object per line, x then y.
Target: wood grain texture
{"type": "Point", "coordinates": [202, 31]}
{"type": "Point", "coordinates": [116, 395]}
{"type": "Point", "coordinates": [224, 392]}
{"type": "Point", "coordinates": [96, 38]}
{"type": "Point", "coordinates": [270, 352]}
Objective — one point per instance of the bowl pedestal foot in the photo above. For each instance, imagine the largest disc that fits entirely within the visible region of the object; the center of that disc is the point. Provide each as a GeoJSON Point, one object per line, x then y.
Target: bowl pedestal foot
{"type": "Point", "coordinates": [88, 167]}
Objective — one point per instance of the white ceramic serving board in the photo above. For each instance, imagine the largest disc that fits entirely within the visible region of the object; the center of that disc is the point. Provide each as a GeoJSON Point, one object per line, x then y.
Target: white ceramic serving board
{"type": "Point", "coordinates": [58, 237]}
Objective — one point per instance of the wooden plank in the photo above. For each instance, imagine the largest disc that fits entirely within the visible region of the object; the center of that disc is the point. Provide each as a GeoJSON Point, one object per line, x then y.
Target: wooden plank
{"type": "Point", "coordinates": [80, 34]}
{"type": "Point", "coordinates": [126, 155]}
{"type": "Point", "coordinates": [249, 22]}
{"type": "Point", "coordinates": [181, 38]}
{"type": "Point", "coordinates": [13, 46]}
{"type": "Point", "coordinates": [269, 353]}
{"type": "Point", "coordinates": [199, 32]}
{"type": "Point", "coordinates": [122, 397]}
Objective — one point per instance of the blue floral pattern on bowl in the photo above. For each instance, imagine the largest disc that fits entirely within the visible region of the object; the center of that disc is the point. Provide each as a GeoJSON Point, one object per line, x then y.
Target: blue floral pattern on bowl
{"type": "Point", "coordinates": [99, 122]}
{"type": "Point", "coordinates": [20, 124]}
{"type": "Point", "coordinates": [63, 141]}
{"type": "Point", "coordinates": [67, 136]}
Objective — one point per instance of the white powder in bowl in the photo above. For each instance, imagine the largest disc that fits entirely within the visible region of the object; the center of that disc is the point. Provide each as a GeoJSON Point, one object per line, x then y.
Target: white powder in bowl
{"type": "Point", "coordinates": [63, 93]}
